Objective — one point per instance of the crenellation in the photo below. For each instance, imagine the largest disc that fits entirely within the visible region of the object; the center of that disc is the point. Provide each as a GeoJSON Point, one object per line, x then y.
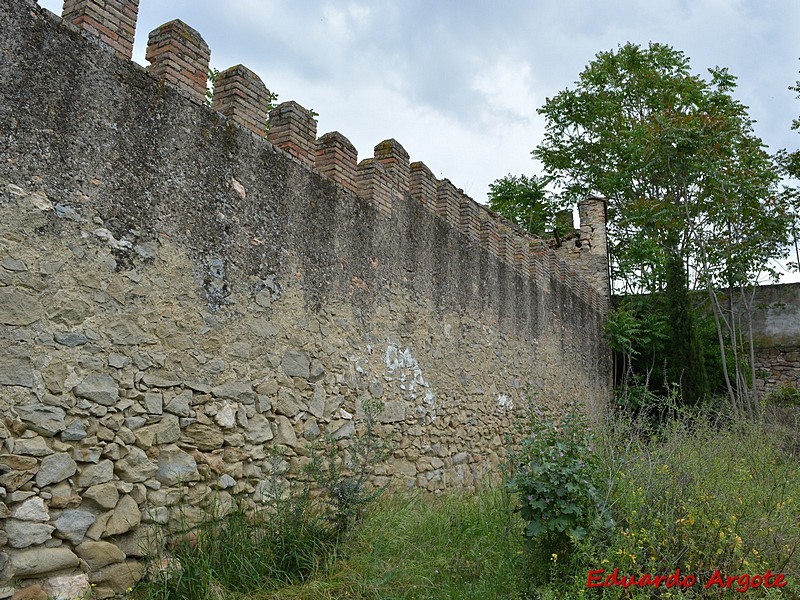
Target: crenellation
{"type": "Point", "coordinates": [375, 184]}
{"type": "Point", "coordinates": [423, 185]}
{"type": "Point", "coordinates": [394, 158]}
{"type": "Point", "coordinates": [490, 234]}
{"type": "Point", "coordinates": [293, 129]}
{"type": "Point", "coordinates": [336, 158]}
{"type": "Point", "coordinates": [583, 290]}
{"type": "Point", "coordinates": [240, 95]}
{"type": "Point", "coordinates": [521, 254]}
{"type": "Point", "coordinates": [470, 216]}
{"type": "Point", "coordinates": [112, 21]}
{"type": "Point", "coordinates": [179, 55]}
{"type": "Point", "coordinates": [448, 202]}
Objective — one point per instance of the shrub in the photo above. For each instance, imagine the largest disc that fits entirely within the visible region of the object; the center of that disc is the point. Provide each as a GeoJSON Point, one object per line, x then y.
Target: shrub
{"type": "Point", "coordinates": [555, 480]}
{"type": "Point", "coordinates": [343, 476]}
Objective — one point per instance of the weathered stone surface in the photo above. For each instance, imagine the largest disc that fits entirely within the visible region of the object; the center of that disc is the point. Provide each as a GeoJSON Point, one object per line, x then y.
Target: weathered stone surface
{"type": "Point", "coordinates": [98, 528]}
{"type": "Point", "coordinates": [104, 495]}
{"type": "Point", "coordinates": [32, 509]}
{"type": "Point", "coordinates": [154, 403]}
{"type": "Point", "coordinates": [96, 474]}
{"type": "Point", "coordinates": [311, 431]}
{"type": "Point", "coordinates": [91, 454]}
{"type": "Point", "coordinates": [145, 540]}
{"type": "Point", "coordinates": [43, 419]}
{"type": "Point", "coordinates": [126, 516]}
{"type": "Point", "coordinates": [17, 462]}
{"type": "Point", "coordinates": [98, 388]}
{"type": "Point", "coordinates": [204, 437]}
{"type": "Point", "coordinates": [54, 376]}
{"type": "Point", "coordinates": [31, 592]}
{"type": "Point", "coordinates": [65, 501]}
{"type": "Point", "coordinates": [461, 458]}
{"type": "Point", "coordinates": [226, 416]}
{"type": "Point", "coordinates": [118, 361]}
{"type": "Point", "coordinates": [240, 391]}
{"type": "Point", "coordinates": [345, 430]}
{"type": "Point", "coordinates": [29, 563]}
{"type": "Point", "coordinates": [136, 466]}
{"type": "Point", "coordinates": [55, 468]}
{"type": "Point", "coordinates": [226, 482]}
{"type": "Point", "coordinates": [12, 264]}
{"type": "Point", "coordinates": [126, 333]}
{"type": "Point", "coordinates": [160, 379]}
{"type": "Point", "coordinates": [70, 339]}
{"type": "Point", "coordinates": [403, 467]}
{"type": "Point", "coordinates": [16, 367]}
{"type": "Point", "coordinates": [18, 307]}
{"type": "Point", "coordinates": [99, 554]}
{"type": "Point", "coordinates": [16, 479]}
{"type": "Point", "coordinates": [73, 524]}
{"type": "Point", "coordinates": [166, 431]}
{"type": "Point", "coordinates": [317, 405]}
{"type": "Point", "coordinates": [69, 310]}
{"type": "Point", "coordinates": [67, 587]}
{"type": "Point", "coordinates": [118, 577]}
{"type": "Point", "coordinates": [284, 433]}
{"type": "Point", "coordinates": [288, 403]}
{"type": "Point", "coordinates": [35, 446]}
{"type": "Point", "coordinates": [295, 363]}
{"type": "Point", "coordinates": [394, 411]}
{"type": "Point", "coordinates": [23, 534]}
{"type": "Point", "coordinates": [258, 430]}
{"type": "Point", "coordinates": [74, 432]}
{"type": "Point", "coordinates": [176, 466]}
{"type": "Point", "coordinates": [180, 405]}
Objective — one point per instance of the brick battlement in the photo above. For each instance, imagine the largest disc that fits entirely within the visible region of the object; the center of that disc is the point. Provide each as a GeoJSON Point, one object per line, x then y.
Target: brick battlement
{"type": "Point", "coordinates": [179, 56]}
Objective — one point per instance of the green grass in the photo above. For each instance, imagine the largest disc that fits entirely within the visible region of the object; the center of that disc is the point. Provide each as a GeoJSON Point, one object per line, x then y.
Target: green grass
{"type": "Point", "coordinates": [409, 547]}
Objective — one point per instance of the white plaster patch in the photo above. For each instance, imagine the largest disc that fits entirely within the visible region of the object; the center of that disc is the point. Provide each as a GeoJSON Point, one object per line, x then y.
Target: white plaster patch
{"type": "Point", "coordinates": [403, 367]}
{"type": "Point", "coordinates": [504, 403]}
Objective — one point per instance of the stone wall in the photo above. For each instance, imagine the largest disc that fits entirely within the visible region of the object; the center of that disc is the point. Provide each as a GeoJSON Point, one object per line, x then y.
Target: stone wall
{"type": "Point", "coordinates": [776, 331]}
{"type": "Point", "coordinates": [180, 297]}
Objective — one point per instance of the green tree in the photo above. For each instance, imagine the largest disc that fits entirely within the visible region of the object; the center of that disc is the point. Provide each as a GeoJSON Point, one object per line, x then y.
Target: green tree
{"type": "Point", "coordinates": [691, 191]}
{"type": "Point", "coordinates": [789, 164]}
{"type": "Point", "coordinates": [526, 202]}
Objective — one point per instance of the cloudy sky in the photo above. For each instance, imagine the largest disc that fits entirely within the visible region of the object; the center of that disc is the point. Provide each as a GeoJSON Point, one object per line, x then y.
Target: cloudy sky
{"type": "Point", "coordinates": [458, 82]}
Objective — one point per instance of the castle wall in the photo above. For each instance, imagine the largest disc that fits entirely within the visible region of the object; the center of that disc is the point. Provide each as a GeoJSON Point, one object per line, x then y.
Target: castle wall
{"type": "Point", "coordinates": [180, 297]}
{"type": "Point", "coordinates": [776, 332]}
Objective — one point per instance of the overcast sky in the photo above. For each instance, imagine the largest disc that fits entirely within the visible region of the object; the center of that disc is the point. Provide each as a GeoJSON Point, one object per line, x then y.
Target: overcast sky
{"type": "Point", "coordinates": [458, 82]}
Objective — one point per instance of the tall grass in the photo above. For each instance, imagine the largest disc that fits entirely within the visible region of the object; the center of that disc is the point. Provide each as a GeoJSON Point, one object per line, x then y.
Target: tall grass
{"type": "Point", "coordinates": [459, 546]}
{"type": "Point", "coordinates": [697, 493]}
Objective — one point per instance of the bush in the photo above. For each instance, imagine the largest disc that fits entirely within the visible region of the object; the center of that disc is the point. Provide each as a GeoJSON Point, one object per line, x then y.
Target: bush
{"type": "Point", "coordinates": [343, 477]}
{"type": "Point", "coordinates": [555, 478]}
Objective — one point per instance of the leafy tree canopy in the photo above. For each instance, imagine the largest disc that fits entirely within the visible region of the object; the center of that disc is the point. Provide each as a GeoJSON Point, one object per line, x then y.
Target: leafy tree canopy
{"type": "Point", "coordinates": [526, 202]}
{"type": "Point", "coordinates": [677, 160]}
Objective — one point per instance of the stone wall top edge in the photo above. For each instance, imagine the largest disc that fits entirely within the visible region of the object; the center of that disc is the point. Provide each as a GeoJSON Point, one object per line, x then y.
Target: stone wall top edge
{"type": "Point", "coordinates": [572, 283]}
